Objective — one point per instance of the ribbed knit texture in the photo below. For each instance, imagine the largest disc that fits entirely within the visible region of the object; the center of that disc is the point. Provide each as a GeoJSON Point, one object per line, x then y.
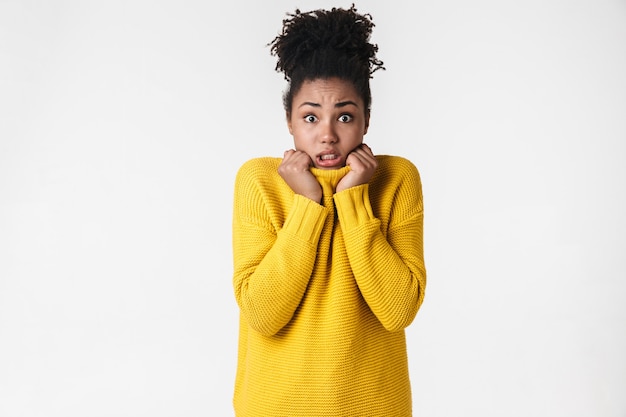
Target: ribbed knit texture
{"type": "Point", "coordinates": [325, 292]}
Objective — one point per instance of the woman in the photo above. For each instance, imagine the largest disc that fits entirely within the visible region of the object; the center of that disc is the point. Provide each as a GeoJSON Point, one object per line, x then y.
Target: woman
{"type": "Point", "coordinates": [327, 241]}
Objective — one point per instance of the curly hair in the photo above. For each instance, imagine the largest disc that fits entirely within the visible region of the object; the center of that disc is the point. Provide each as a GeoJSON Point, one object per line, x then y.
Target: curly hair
{"type": "Point", "coordinates": [325, 44]}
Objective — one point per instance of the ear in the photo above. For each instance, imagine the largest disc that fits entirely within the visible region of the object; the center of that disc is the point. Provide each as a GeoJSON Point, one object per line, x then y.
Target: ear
{"type": "Point", "coordinates": [288, 117]}
{"type": "Point", "coordinates": [367, 122]}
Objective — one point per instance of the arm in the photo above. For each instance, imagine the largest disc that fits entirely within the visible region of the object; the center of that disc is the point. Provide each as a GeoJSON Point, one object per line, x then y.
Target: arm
{"type": "Point", "coordinates": [272, 266]}
{"type": "Point", "coordinates": [389, 269]}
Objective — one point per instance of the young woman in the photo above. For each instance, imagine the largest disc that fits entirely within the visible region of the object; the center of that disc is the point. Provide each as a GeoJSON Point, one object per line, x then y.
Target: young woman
{"type": "Point", "coordinates": [327, 241]}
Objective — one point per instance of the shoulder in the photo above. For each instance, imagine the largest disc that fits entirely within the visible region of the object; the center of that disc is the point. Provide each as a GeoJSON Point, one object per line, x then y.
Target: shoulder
{"type": "Point", "coordinates": [397, 167]}
{"type": "Point", "coordinates": [261, 165]}
{"type": "Point", "coordinates": [257, 170]}
{"type": "Point", "coordinates": [395, 191]}
{"type": "Point", "coordinates": [397, 182]}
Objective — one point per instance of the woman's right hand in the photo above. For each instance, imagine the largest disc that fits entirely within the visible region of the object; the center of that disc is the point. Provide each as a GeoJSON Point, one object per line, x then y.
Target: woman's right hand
{"type": "Point", "coordinates": [294, 169]}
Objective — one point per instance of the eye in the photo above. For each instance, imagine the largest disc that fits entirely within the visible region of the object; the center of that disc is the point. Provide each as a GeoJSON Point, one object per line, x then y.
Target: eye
{"type": "Point", "coordinates": [345, 118]}
{"type": "Point", "coordinates": [309, 118]}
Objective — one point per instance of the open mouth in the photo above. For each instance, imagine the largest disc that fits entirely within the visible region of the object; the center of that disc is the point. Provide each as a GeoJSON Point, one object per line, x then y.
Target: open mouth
{"type": "Point", "coordinates": [328, 160]}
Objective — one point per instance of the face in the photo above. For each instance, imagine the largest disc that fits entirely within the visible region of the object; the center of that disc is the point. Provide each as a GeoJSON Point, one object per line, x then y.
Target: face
{"type": "Point", "coordinates": [328, 120]}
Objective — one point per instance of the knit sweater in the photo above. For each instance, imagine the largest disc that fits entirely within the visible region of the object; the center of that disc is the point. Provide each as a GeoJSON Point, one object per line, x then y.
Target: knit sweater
{"type": "Point", "coordinates": [325, 291]}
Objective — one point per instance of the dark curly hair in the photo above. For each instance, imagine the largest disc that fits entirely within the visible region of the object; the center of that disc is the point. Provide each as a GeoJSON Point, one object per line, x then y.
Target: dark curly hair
{"type": "Point", "coordinates": [325, 44]}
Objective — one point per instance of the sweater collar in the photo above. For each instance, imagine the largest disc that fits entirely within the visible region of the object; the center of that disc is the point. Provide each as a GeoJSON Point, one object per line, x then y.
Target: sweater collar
{"type": "Point", "coordinates": [329, 177]}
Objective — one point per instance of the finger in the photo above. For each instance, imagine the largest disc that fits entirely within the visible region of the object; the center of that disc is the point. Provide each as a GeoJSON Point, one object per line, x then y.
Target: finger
{"type": "Point", "coordinates": [362, 154]}
{"type": "Point", "coordinates": [367, 148]}
{"type": "Point", "coordinates": [363, 161]}
{"type": "Point", "coordinates": [355, 160]}
{"type": "Point", "coordinates": [366, 151]}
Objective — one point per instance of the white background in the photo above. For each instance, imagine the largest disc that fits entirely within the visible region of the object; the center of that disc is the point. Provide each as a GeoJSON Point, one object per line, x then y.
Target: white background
{"type": "Point", "coordinates": [122, 124]}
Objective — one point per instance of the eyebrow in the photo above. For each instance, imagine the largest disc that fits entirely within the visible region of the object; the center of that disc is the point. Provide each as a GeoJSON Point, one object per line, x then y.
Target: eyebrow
{"type": "Point", "coordinates": [337, 105]}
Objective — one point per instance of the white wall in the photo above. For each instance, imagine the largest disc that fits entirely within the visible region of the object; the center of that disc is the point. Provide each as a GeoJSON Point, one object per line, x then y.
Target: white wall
{"type": "Point", "coordinates": [122, 124]}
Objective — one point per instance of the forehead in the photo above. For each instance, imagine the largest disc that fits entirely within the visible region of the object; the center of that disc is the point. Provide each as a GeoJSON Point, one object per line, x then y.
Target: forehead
{"type": "Point", "coordinates": [327, 90]}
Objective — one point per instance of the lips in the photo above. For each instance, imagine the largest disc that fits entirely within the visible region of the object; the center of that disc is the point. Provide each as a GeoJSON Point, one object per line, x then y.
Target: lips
{"type": "Point", "coordinates": [329, 160]}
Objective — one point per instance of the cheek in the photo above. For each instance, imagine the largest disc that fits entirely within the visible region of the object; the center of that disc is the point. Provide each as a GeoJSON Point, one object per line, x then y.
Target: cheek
{"type": "Point", "coordinates": [299, 140]}
{"type": "Point", "coordinates": [357, 137]}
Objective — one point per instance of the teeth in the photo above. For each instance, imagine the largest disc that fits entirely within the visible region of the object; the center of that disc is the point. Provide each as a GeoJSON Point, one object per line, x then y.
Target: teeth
{"type": "Point", "coordinates": [328, 156]}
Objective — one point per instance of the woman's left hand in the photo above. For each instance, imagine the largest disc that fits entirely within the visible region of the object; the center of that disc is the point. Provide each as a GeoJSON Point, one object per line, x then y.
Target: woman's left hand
{"type": "Point", "coordinates": [362, 163]}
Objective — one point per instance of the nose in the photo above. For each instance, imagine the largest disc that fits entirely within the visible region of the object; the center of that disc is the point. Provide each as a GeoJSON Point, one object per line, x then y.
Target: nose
{"type": "Point", "coordinates": [328, 134]}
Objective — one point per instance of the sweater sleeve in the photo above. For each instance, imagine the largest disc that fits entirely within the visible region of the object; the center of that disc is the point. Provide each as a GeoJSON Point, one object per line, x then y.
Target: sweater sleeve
{"type": "Point", "coordinates": [389, 269]}
{"type": "Point", "coordinates": [272, 266]}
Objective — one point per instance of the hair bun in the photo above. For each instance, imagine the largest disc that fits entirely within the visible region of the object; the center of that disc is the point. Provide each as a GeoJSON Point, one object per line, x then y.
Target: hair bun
{"type": "Point", "coordinates": [332, 34]}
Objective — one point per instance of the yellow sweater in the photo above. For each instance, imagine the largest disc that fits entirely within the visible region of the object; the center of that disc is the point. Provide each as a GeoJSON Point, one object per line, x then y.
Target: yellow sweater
{"type": "Point", "coordinates": [325, 292]}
